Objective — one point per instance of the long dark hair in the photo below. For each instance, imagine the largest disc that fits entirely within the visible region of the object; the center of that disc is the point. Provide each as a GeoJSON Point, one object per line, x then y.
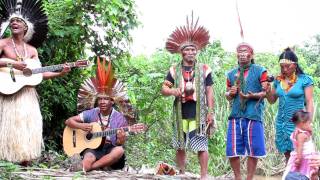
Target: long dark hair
{"type": "Point", "coordinates": [290, 55]}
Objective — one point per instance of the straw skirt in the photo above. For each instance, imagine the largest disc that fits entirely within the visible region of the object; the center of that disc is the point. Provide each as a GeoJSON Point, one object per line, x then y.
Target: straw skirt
{"type": "Point", "coordinates": [20, 126]}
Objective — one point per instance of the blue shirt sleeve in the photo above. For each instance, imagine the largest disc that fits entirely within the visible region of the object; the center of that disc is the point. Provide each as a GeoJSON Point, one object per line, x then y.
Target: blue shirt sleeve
{"type": "Point", "coordinates": [307, 81]}
{"type": "Point", "coordinates": [89, 115]}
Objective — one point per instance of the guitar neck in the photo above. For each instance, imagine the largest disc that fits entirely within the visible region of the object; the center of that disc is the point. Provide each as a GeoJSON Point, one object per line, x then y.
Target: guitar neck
{"type": "Point", "coordinates": [108, 132]}
{"type": "Point", "coordinates": [52, 68]}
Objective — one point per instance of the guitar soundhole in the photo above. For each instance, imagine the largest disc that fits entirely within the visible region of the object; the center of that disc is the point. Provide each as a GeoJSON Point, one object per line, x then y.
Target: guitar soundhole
{"type": "Point", "coordinates": [89, 136]}
{"type": "Point", "coordinates": [27, 72]}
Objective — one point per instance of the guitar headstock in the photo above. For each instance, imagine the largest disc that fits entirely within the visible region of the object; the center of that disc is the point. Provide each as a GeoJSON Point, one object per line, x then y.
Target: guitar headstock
{"type": "Point", "coordinates": [137, 128]}
{"type": "Point", "coordinates": [82, 63]}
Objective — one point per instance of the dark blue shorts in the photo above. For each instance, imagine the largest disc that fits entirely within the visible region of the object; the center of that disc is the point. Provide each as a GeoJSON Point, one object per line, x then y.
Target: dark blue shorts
{"type": "Point", "coordinates": [106, 149]}
{"type": "Point", "coordinates": [245, 137]}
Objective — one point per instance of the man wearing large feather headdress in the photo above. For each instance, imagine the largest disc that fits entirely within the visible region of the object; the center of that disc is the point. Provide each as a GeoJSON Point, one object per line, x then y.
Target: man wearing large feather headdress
{"type": "Point", "coordinates": [20, 116]}
{"type": "Point", "coordinates": [190, 82]}
{"type": "Point", "coordinates": [105, 91]}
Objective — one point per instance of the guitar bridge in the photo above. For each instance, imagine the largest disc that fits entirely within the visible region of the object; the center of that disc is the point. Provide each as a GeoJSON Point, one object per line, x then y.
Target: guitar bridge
{"type": "Point", "coordinates": [74, 138]}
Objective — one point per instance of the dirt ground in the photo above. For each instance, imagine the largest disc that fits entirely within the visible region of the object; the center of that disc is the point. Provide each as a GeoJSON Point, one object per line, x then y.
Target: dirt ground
{"type": "Point", "coordinates": [256, 177]}
{"type": "Point", "coordinates": [39, 173]}
{"type": "Point", "coordinates": [267, 178]}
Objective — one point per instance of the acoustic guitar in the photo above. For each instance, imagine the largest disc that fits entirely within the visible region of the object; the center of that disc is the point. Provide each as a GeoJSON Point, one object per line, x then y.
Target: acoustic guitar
{"type": "Point", "coordinates": [77, 140]}
{"type": "Point", "coordinates": [30, 76]}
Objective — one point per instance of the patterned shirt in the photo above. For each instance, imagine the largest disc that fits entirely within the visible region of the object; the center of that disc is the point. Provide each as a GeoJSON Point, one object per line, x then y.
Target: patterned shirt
{"type": "Point", "coordinates": [188, 103]}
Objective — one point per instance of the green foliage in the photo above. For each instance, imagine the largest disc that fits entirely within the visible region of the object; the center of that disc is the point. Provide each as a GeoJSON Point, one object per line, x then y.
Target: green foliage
{"type": "Point", "coordinates": [311, 51]}
{"type": "Point", "coordinates": [6, 168]}
{"type": "Point", "coordinates": [146, 76]}
{"type": "Point", "coordinates": [58, 96]}
{"type": "Point", "coordinates": [115, 18]}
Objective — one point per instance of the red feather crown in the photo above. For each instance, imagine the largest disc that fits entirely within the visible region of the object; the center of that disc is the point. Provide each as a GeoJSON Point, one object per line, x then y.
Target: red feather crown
{"type": "Point", "coordinates": [105, 84]}
{"type": "Point", "coordinates": [104, 79]}
{"type": "Point", "coordinates": [189, 35]}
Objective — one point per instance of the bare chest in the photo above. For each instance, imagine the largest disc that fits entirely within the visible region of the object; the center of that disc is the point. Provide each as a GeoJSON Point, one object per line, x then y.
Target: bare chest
{"type": "Point", "coordinates": [16, 53]}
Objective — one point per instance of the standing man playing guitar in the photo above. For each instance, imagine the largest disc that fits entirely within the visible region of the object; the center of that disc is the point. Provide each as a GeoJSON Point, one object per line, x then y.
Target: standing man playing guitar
{"type": "Point", "coordinates": [106, 91]}
{"type": "Point", "coordinates": [15, 48]}
{"type": "Point", "coordinates": [20, 116]}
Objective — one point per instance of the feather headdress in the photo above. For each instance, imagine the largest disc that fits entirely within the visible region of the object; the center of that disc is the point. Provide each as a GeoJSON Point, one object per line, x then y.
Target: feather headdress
{"type": "Point", "coordinates": [104, 84]}
{"type": "Point", "coordinates": [31, 12]}
{"type": "Point", "coordinates": [189, 35]}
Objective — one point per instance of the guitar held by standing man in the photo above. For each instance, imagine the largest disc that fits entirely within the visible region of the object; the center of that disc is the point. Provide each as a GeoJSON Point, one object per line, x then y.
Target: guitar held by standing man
{"type": "Point", "coordinates": [20, 116]}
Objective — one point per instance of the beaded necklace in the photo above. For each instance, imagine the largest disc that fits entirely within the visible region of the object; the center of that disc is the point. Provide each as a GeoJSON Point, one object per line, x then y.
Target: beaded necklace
{"type": "Point", "coordinates": [188, 76]}
{"type": "Point", "coordinates": [287, 83]}
{"type": "Point", "coordinates": [19, 56]}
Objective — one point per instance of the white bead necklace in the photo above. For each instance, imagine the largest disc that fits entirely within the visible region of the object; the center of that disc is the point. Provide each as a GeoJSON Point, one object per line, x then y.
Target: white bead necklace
{"type": "Point", "coordinates": [19, 57]}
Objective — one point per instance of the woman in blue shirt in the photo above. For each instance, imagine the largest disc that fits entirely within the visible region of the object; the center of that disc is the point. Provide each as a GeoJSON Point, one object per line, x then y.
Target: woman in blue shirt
{"type": "Point", "coordinates": [294, 89]}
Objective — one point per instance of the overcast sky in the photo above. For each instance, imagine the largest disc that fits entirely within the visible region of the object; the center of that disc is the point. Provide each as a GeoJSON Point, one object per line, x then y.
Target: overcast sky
{"type": "Point", "coordinates": [269, 25]}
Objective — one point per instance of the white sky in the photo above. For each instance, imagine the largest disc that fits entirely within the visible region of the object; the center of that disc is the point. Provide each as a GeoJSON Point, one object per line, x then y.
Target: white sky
{"type": "Point", "coordinates": [269, 25]}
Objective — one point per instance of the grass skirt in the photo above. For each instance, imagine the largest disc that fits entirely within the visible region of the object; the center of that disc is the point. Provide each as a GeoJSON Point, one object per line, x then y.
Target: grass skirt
{"type": "Point", "coordinates": [20, 126]}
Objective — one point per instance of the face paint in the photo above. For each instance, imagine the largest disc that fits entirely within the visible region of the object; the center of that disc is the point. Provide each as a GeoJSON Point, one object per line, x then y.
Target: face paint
{"type": "Point", "coordinates": [189, 54]}
{"type": "Point", "coordinates": [244, 55]}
